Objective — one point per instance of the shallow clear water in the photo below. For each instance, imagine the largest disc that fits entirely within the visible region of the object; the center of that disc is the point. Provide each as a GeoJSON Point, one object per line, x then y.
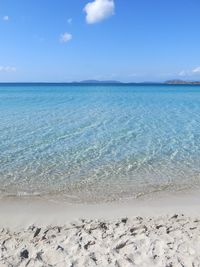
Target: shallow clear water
{"type": "Point", "coordinates": [94, 143]}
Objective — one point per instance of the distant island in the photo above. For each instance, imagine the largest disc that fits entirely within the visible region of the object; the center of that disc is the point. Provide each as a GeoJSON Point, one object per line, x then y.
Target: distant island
{"type": "Point", "coordinates": [97, 81]}
{"type": "Point", "coordinates": [181, 82]}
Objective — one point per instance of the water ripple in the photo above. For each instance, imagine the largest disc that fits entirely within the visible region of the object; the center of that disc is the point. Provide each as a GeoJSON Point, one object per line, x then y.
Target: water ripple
{"type": "Point", "coordinates": [98, 143]}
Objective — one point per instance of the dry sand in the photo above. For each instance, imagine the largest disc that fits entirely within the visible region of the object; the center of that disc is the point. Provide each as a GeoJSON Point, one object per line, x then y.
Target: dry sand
{"type": "Point", "coordinates": [157, 232]}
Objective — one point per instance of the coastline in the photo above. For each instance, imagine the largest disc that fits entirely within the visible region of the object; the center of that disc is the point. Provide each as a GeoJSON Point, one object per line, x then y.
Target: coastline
{"type": "Point", "coordinates": [22, 211]}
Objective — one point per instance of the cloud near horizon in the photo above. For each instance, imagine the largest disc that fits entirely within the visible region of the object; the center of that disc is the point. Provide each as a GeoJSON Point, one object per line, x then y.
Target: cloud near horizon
{"type": "Point", "coordinates": [65, 37]}
{"type": "Point", "coordinates": [7, 69]}
{"type": "Point", "coordinates": [192, 72]}
{"type": "Point", "coordinates": [196, 70]}
{"type": "Point", "coordinates": [99, 10]}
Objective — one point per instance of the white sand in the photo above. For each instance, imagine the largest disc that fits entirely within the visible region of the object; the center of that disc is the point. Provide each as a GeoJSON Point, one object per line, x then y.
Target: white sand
{"type": "Point", "coordinates": [130, 233]}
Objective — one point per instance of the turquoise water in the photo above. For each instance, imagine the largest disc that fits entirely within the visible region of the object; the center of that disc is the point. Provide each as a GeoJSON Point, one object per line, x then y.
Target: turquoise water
{"type": "Point", "coordinates": [94, 143]}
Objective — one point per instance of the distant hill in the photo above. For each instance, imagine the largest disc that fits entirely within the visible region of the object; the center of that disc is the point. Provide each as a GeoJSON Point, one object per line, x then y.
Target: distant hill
{"type": "Point", "coordinates": [97, 81]}
{"type": "Point", "coordinates": [181, 82]}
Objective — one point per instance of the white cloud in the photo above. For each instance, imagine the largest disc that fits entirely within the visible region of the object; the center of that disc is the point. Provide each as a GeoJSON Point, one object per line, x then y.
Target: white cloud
{"type": "Point", "coordinates": [69, 21]}
{"type": "Point", "coordinates": [182, 73]}
{"type": "Point", "coordinates": [65, 37]}
{"type": "Point", "coordinates": [5, 18]}
{"type": "Point", "coordinates": [196, 70]}
{"type": "Point", "coordinates": [7, 69]}
{"type": "Point", "coordinates": [99, 10]}
{"type": "Point", "coordinates": [185, 73]}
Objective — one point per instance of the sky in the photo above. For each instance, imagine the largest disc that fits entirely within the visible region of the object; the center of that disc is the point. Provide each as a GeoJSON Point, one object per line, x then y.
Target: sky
{"type": "Point", "coordinates": [74, 40]}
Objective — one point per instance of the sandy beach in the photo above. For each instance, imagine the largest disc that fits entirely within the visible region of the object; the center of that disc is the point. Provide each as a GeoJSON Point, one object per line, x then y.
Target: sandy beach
{"type": "Point", "coordinates": [99, 133]}
{"type": "Point", "coordinates": [162, 241]}
{"type": "Point", "coordinates": [164, 231]}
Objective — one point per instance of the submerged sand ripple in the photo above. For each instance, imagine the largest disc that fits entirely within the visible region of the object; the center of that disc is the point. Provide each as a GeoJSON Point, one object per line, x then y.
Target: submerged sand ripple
{"type": "Point", "coordinates": [162, 241]}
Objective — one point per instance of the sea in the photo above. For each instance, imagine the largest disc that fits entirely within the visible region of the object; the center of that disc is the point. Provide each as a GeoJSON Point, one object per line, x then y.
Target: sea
{"type": "Point", "coordinates": [98, 142]}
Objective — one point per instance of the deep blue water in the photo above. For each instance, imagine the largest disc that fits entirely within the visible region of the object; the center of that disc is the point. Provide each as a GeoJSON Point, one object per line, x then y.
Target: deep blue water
{"type": "Point", "coordinates": [98, 142]}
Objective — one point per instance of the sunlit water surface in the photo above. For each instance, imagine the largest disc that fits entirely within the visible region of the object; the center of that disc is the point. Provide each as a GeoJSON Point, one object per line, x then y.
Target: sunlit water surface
{"type": "Point", "coordinates": [98, 143]}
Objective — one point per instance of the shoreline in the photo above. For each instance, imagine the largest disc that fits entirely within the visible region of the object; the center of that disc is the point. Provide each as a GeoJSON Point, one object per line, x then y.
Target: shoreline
{"type": "Point", "coordinates": [22, 211]}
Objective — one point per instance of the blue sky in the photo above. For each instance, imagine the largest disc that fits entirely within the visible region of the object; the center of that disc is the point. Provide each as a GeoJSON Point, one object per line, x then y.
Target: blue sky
{"type": "Point", "coordinates": [72, 40]}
